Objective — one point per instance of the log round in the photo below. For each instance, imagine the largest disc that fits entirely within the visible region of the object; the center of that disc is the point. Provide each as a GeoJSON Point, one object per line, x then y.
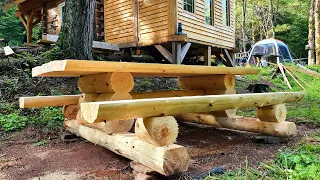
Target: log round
{"type": "Point", "coordinates": [117, 125]}
{"type": "Point", "coordinates": [106, 83]}
{"type": "Point", "coordinates": [166, 160]}
{"type": "Point", "coordinates": [225, 113]}
{"type": "Point", "coordinates": [70, 111]}
{"type": "Point", "coordinates": [275, 113]}
{"type": "Point", "coordinates": [160, 131]}
{"type": "Point", "coordinates": [201, 82]}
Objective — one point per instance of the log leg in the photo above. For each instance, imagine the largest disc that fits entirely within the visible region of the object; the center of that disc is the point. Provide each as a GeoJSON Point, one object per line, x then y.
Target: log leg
{"type": "Point", "coordinates": [166, 160]}
{"type": "Point", "coordinates": [281, 129]}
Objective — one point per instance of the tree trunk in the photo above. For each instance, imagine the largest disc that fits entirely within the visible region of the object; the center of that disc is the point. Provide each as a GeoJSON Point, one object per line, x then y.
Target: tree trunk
{"type": "Point", "coordinates": [78, 29]}
{"type": "Point", "coordinates": [311, 35]}
{"type": "Point", "coordinates": [317, 31]}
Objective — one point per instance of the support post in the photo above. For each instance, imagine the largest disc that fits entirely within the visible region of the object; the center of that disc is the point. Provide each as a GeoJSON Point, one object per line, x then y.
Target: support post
{"type": "Point", "coordinates": [179, 60]}
{"type": "Point", "coordinates": [207, 56]}
{"type": "Point", "coordinates": [174, 53]}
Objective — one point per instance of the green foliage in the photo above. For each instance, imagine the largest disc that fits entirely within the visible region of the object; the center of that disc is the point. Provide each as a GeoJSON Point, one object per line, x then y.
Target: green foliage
{"type": "Point", "coordinates": [11, 28]}
{"type": "Point", "coordinates": [12, 122]}
{"type": "Point", "coordinates": [49, 119]}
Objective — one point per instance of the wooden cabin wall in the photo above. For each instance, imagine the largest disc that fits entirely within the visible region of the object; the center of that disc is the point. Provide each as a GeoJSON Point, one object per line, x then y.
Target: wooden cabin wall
{"type": "Point", "coordinates": [153, 20]}
{"type": "Point", "coordinates": [198, 31]}
{"type": "Point", "coordinates": [54, 20]}
{"type": "Point", "coordinates": [119, 21]}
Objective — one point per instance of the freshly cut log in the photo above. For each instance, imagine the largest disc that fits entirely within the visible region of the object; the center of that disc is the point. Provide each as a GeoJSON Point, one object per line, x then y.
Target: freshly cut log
{"type": "Point", "coordinates": [113, 96]}
{"type": "Point", "coordinates": [207, 82]}
{"type": "Point", "coordinates": [166, 160]}
{"type": "Point", "coordinates": [88, 97]}
{"type": "Point", "coordinates": [162, 94]}
{"type": "Point", "coordinates": [82, 67]}
{"type": "Point", "coordinates": [160, 131]}
{"type": "Point", "coordinates": [281, 129]}
{"type": "Point", "coordinates": [140, 108]}
{"type": "Point", "coordinates": [274, 113]}
{"type": "Point", "coordinates": [106, 83]}
{"type": "Point", "coordinates": [70, 111]}
{"type": "Point", "coordinates": [47, 101]}
{"type": "Point", "coordinates": [109, 127]}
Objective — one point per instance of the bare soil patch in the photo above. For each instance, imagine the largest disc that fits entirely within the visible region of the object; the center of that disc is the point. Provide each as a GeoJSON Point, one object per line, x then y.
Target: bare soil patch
{"type": "Point", "coordinates": [208, 148]}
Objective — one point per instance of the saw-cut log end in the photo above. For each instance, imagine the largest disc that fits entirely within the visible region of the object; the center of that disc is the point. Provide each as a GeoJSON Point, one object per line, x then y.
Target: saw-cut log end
{"type": "Point", "coordinates": [21, 103]}
{"type": "Point", "coordinates": [160, 131]}
{"type": "Point", "coordinates": [177, 160]}
{"type": "Point", "coordinates": [275, 113]}
{"type": "Point", "coordinates": [89, 112]}
{"type": "Point", "coordinates": [118, 126]}
{"type": "Point", "coordinates": [114, 96]}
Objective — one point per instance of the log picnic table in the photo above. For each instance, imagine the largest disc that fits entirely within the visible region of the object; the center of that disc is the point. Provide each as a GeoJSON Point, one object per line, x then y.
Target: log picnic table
{"type": "Point", "coordinates": [107, 109]}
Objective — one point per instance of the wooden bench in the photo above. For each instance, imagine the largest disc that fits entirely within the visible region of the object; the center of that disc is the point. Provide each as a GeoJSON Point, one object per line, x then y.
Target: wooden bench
{"type": "Point", "coordinates": [106, 110]}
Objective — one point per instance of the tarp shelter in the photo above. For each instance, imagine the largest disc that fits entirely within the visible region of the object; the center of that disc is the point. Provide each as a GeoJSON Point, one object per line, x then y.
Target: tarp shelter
{"type": "Point", "coordinates": [271, 50]}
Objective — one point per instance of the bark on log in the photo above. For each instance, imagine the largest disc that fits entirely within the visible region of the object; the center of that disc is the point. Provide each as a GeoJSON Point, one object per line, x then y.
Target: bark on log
{"type": "Point", "coordinates": [166, 160]}
{"type": "Point", "coordinates": [106, 83]}
{"type": "Point", "coordinates": [70, 112]}
{"type": "Point", "coordinates": [207, 82]}
{"type": "Point", "coordinates": [275, 113]}
{"type": "Point", "coordinates": [160, 131]}
{"type": "Point", "coordinates": [282, 129]}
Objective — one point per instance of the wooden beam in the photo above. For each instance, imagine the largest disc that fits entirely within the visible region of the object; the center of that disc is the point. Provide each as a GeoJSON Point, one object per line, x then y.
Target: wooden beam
{"type": "Point", "coordinates": [185, 49]}
{"type": "Point", "coordinates": [161, 94]}
{"type": "Point", "coordinates": [294, 78]}
{"type": "Point", "coordinates": [86, 67]}
{"type": "Point", "coordinates": [47, 101]}
{"type": "Point", "coordinates": [284, 75]}
{"type": "Point", "coordinates": [22, 19]}
{"type": "Point", "coordinates": [166, 160]}
{"type": "Point", "coordinates": [282, 129]}
{"type": "Point", "coordinates": [130, 109]}
{"type": "Point", "coordinates": [229, 57]}
{"type": "Point", "coordinates": [207, 56]}
{"type": "Point", "coordinates": [165, 53]}
{"type": "Point", "coordinates": [105, 46]}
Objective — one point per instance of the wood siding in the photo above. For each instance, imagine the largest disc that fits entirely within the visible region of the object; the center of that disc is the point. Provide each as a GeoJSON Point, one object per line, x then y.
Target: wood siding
{"type": "Point", "coordinates": [198, 31]}
{"type": "Point", "coordinates": [119, 21]}
{"type": "Point", "coordinates": [153, 20]}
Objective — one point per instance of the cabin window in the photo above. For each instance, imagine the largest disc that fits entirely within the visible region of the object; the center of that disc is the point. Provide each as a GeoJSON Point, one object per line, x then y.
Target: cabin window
{"type": "Point", "coordinates": [188, 5]}
{"type": "Point", "coordinates": [209, 11]}
{"type": "Point", "coordinates": [226, 12]}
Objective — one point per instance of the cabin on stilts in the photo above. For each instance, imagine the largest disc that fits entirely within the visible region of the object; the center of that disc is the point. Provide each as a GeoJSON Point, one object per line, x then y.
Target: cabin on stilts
{"type": "Point", "coordinates": [177, 31]}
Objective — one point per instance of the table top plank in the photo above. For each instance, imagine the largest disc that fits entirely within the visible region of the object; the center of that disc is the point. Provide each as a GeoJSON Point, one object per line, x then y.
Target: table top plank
{"type": "Point", "coordinates": [75, 68]}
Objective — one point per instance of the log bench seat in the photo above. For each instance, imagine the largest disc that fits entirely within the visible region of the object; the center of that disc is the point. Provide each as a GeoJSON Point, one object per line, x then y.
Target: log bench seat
{"type": "Point", "coordinates": [107, 108]}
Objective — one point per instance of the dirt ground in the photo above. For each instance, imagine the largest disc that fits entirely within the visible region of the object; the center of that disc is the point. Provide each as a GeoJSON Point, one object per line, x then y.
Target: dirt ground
{"type": "Point", "coordinates": [208, 148]}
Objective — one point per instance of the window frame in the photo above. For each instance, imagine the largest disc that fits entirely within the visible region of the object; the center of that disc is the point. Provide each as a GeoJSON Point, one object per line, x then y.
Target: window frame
{"type": "Point", "coordinates": [227, 21]}
{"type": "Point", "coordinates": [212, 13]}
{"type": "Point", "coordinates": [193, 5]}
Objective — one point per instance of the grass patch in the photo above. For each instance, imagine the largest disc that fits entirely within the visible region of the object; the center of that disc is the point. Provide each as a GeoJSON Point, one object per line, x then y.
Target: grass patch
{"type": "Point", "coordinates": [299, 163]}
{"type": "Point", "coordinates": [306, 110]}
{"type": "Point", "coordinates": [13, 119]}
